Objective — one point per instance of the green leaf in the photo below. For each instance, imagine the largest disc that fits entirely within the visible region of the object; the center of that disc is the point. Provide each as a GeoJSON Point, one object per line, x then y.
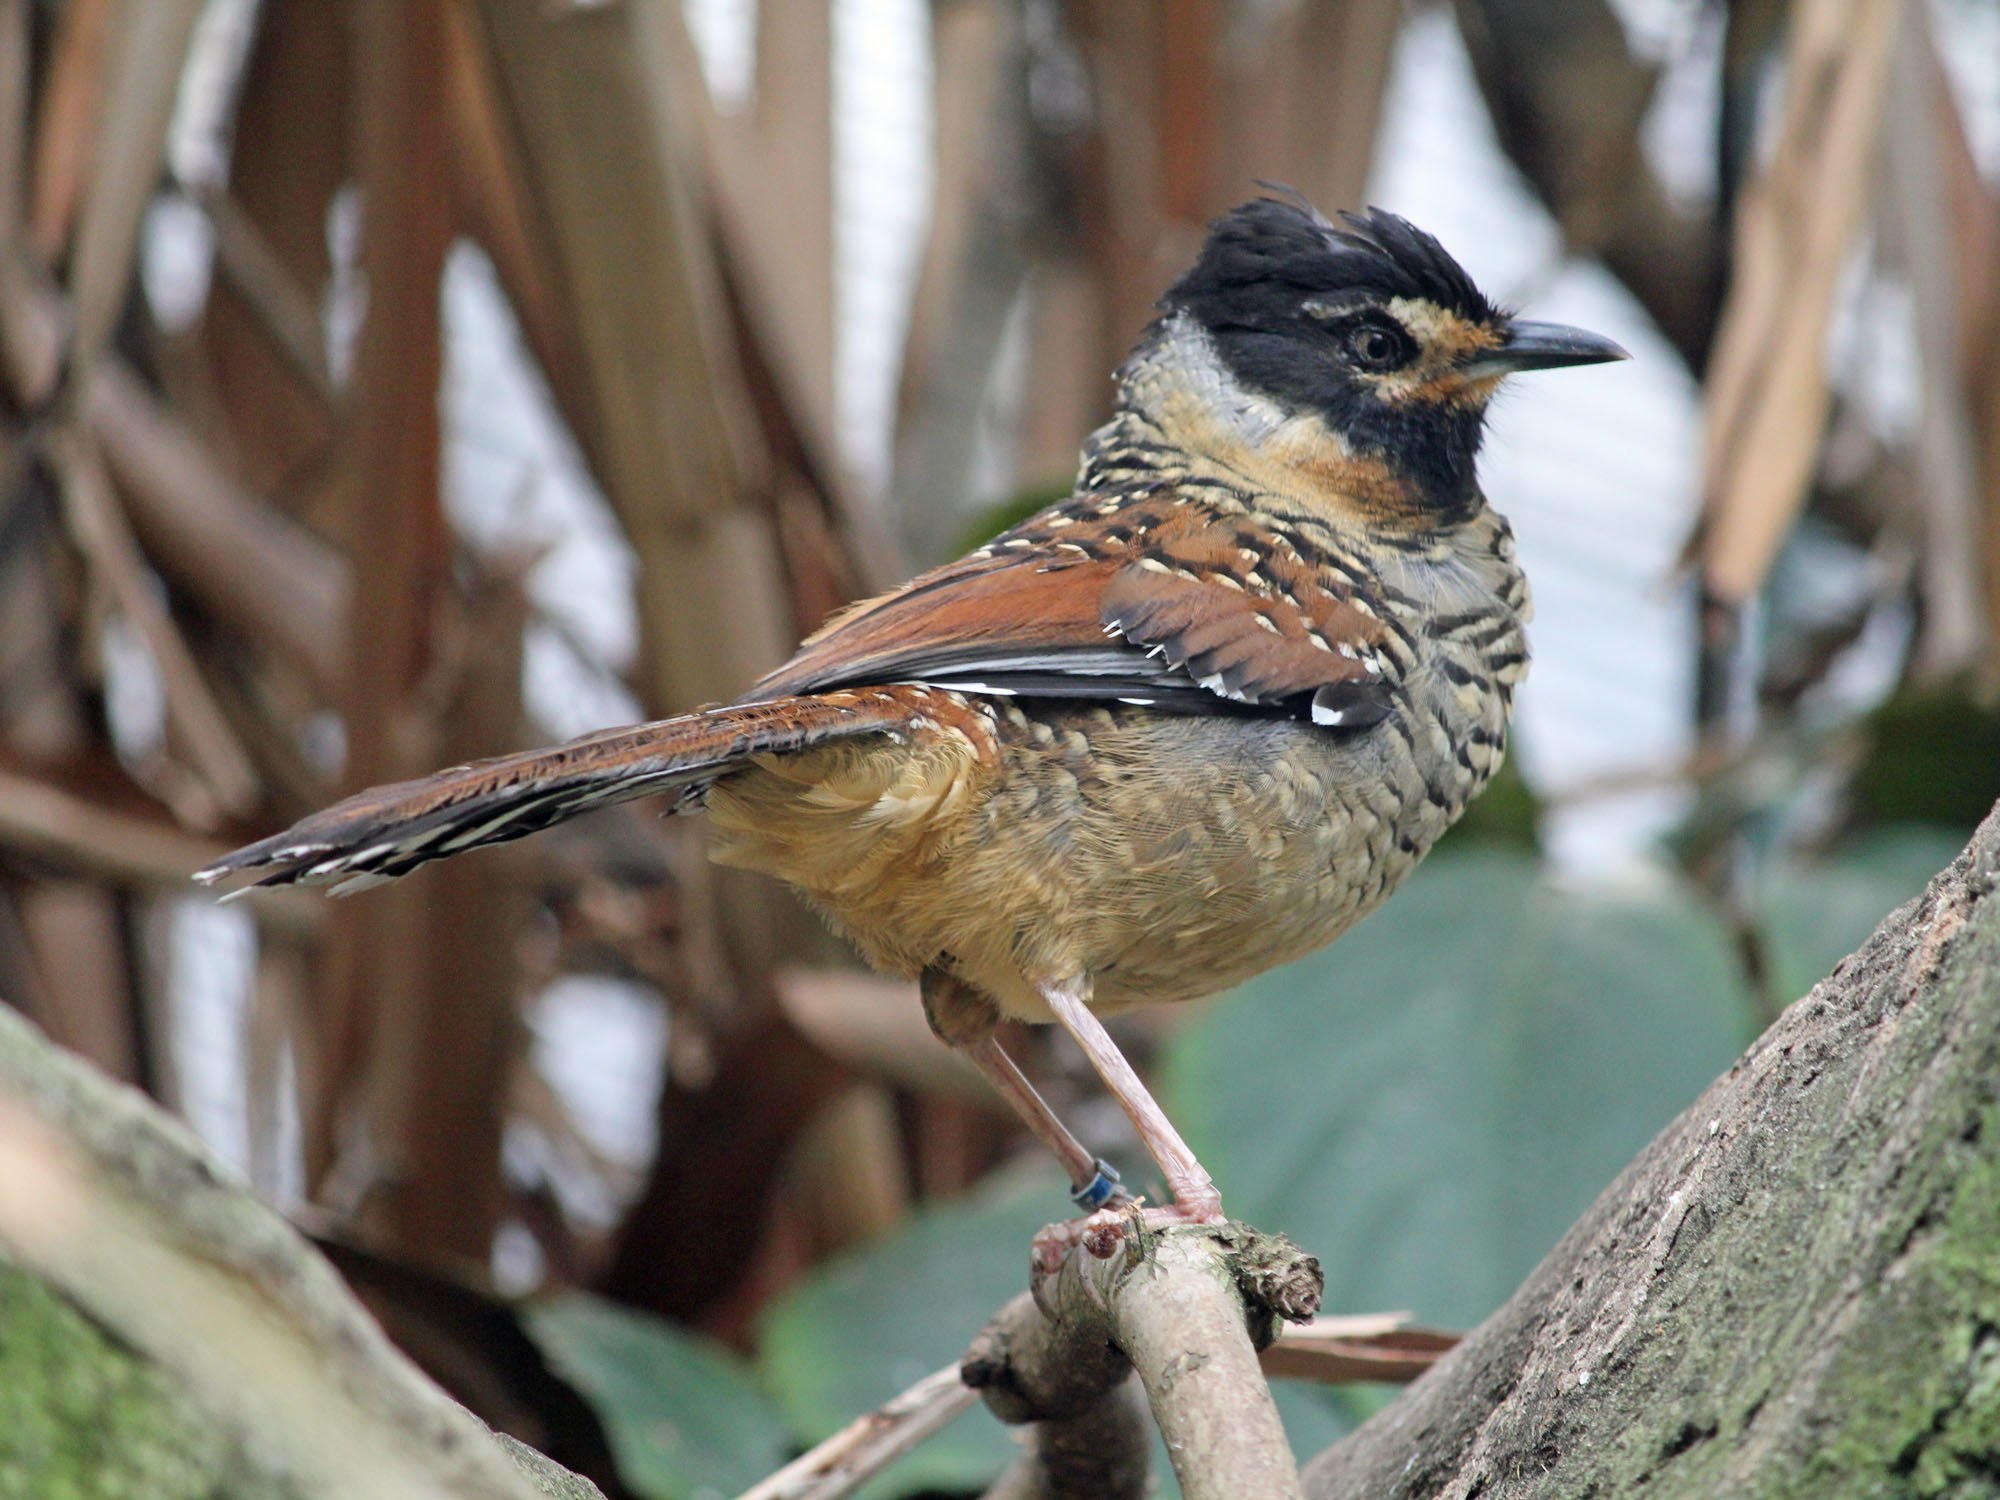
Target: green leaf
{"type": "Point", "coordinates": [1813, 915]}
{"type": "Point", "coordinates": [685, 1417]}
{"type": "Point", "coordinates": [867, 1324]}
{"type": "Point", "coordinates": [1933, 756]}
{"type": "Point", "coordinates": [1430, 1103]}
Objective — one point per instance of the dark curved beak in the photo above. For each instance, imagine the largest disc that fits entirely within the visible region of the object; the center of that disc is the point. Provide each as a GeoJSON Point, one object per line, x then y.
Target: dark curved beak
{"type": "Point", "coordinates": [1544, 346]}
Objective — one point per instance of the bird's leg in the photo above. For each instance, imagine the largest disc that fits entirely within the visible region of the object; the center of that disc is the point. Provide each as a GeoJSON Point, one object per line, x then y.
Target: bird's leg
{"type": "Point", "coordinates": [964, 1021]}
{"type": "Point", "coordinates": [1195, 1199]}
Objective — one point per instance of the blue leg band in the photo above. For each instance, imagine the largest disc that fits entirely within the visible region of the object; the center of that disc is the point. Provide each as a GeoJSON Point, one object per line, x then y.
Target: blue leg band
{"type": "Point", "coordinates": [1099, 1191]}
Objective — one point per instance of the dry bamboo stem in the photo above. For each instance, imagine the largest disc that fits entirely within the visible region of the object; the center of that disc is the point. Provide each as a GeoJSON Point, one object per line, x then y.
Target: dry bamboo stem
{"type": "Point", "coordinates": [236, 554]}
{"type": "Point", "coordinates": [86, 836]}
{"type": "Point", "coordinates": [102, 532]}
{"type": "Point", "coordinates": [1767, 393]}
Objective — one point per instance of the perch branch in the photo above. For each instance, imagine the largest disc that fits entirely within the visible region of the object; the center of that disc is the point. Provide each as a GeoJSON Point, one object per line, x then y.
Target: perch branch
{"type": "Point", "coordinates": [1186, 1309]}
{"type": "Point", "coordinates": [1100, 1450]}
{"type": "Point", "coordinates": [1069, 1379]}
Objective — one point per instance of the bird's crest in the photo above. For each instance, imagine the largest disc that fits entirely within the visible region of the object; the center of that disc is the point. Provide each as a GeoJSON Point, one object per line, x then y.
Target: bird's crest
{"type": "Point", "coordinates": [1283, 244]}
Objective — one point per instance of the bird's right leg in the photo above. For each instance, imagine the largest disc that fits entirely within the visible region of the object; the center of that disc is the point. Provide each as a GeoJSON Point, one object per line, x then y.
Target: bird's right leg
{"type": "Point", "coordinates": [1195, 1200]}
{"type": "Point", "coordinates": [964, 1020]}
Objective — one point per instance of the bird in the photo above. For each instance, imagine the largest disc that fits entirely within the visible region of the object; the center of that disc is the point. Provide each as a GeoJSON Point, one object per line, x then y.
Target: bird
{"type": "Point", "coordinates": [1187, 724]}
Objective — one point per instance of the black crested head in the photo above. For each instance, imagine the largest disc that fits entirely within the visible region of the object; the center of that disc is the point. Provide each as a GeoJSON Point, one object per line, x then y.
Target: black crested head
{"type": "Point", "coordinates": [1367, 327]}
{"type": "Point", "coordinates": [1262, 257]}
{"type": "Point", "coordinates": [1363, 324]}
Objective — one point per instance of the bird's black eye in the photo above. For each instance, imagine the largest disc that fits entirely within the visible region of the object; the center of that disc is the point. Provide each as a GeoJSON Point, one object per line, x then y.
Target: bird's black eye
{"type": "Point", "coordinates": [1378, 346]}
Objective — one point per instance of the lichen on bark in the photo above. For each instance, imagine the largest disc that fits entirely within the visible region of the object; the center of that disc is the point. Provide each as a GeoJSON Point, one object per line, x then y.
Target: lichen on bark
{"type": "Point", "coordinates": [82, 1417]}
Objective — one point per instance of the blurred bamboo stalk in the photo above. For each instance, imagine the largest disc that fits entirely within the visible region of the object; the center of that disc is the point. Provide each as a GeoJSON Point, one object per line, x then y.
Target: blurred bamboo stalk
{"type": "Point", "coordinates": [222, 782]}
{"type": "Point", "coordinates": [395, 521]}
{"type": "Point", "coordinates": [1796, 224]}
{"type": "Point", "coordinates": [65, 129]}
{"type": "Point", "coordinates": [144, 42]}
{"type": "Point", "coordinates": [1947, 462]}
{"type": "Point", "coordinates": [249, 566]}
{"type": "Point", "coordinates": [87, 837]}
{"type": "Point", "coordinates": [661, 409]}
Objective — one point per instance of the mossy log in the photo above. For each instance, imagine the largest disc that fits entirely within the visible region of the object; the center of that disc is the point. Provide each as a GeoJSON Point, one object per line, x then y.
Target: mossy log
{"type": "Point", "coordinates": [163, 1333]}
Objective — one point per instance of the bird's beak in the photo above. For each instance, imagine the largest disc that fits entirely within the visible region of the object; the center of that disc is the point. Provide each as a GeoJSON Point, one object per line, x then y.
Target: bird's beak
{"type": "Point", "coordinates": [1544, 346]}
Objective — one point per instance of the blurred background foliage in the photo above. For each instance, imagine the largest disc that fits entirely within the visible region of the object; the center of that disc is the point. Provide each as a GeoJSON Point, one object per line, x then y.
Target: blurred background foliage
{"type": "Point", "coordinates": [389, 382]}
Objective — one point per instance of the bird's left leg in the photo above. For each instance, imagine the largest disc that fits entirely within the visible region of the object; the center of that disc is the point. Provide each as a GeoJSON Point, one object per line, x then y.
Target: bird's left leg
{"type": "Point", "coordinates": [1195, 1199]}
{"type": "Point", "coordinates": [963, 1020]}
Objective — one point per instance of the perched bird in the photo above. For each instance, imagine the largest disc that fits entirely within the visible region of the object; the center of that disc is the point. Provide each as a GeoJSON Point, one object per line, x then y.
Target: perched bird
{"type": "Point", "coordinates": [1193, 721]}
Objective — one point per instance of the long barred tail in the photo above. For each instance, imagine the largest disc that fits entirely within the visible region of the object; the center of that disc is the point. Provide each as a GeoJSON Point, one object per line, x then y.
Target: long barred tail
{"type": "Point", "coordinates": [388, 831]}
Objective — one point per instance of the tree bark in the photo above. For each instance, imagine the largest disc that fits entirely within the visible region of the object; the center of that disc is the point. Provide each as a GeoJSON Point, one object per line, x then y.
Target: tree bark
{"type": "Point", "coordinates": [1795, 1290]}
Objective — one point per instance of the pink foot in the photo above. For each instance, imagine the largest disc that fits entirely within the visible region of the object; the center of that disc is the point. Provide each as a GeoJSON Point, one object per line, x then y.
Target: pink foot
{"type": "Point", "coordinates": [1102, 1234]}
{"type": "Point", "coordinates": [1191, 1205]}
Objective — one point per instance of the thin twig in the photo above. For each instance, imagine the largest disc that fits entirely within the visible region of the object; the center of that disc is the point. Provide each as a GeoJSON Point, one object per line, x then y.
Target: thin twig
{"type": "Point", "coordinates": [103, 535]}
{"type": "Point", "coordinates": [1374, 1347]}
{"type": "Point", "coordinates": [867, 1445]}
{"type": "Point", "coordinates": [277, 303]}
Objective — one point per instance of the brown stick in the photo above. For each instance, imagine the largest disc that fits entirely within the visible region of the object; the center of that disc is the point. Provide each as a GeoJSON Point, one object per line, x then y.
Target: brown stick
{"type": "Point", "coordinates": [247, 565]}
{"type": "Point", "coordinates": [103, 535]}
{"type": "Point", "coordinates": [1368, 1347]}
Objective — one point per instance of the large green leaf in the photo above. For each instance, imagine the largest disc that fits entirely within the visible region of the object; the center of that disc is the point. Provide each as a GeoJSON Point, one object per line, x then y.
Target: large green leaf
{"type": "Point", "coordinates": [1430, 1103]}
{"type": "Point", "coordinates": [865, 1325]}
{"type": "Point", "coordinates": [685, 1417]}
{"type": "Point", "coordinates": [1813, 915]}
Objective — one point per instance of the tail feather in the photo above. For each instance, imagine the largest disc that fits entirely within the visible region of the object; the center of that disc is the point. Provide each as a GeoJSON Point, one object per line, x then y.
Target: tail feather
{"type": "Point", "coordinates": [388, 831]}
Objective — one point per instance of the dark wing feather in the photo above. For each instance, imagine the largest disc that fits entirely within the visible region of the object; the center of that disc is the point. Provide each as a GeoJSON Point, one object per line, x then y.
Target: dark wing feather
{"type": "Point", "coordinates": [1157, 602]}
